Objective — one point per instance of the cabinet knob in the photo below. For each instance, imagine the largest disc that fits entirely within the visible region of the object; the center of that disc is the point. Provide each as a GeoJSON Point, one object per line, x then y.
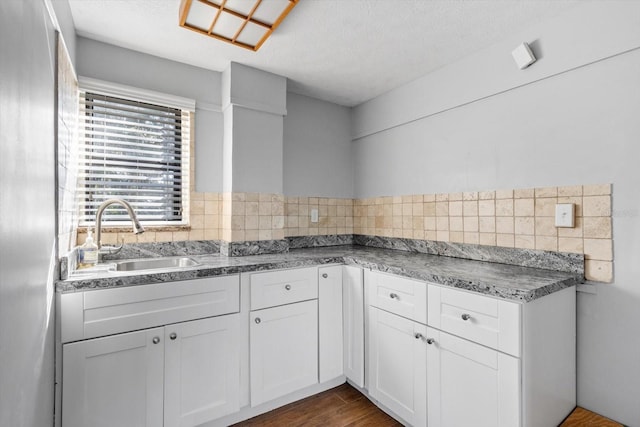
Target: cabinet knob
{"type": "Point", "coordinates": [393, 296]}
{"type": "Point", "coordinates": [430, 340]}
{"type": "Point", "coordinates": [418, 336]}
{"type": "Point", "coordinates": [287, 287]}
{"type": "Point", "coordinates": [257, 320]}
{"type": "Point", "coordinates": [155, 340]}
{"type": "Point", "coordinates": [466, 316]}
{"type": "Point", "coordinates": [173, 335]}
{"type": "Point", "coordinates": [325, 275]}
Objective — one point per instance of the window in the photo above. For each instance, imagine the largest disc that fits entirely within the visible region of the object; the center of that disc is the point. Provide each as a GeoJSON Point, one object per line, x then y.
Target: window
{"type": "Point", "coordinates": [136, 151]}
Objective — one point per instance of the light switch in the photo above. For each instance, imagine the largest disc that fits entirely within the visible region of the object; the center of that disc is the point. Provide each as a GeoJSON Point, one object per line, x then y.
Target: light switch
{"type": "Point", "coordinates": [314, 215]}
{"type": "Point", "coordinates": [565, 213]}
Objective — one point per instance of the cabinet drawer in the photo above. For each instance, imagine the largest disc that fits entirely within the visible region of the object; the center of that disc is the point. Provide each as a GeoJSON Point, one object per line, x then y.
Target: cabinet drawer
{"type": "Point", "coordinates": [103, 312]}
{"type": "Point", "coordinates": [488, 321]}
{"type": "Point", "coordinates": [281, 287]}
{"type": "Point", "coordinates": [399, 295]}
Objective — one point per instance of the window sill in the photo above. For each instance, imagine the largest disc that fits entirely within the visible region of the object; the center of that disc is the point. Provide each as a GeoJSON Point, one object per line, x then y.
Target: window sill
{"type": "Point", "coordinates": [154, 228]}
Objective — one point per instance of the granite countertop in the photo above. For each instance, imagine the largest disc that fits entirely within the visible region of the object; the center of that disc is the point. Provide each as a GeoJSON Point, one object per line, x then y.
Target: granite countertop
{"type": "Point", "coordinates": [500, 280]}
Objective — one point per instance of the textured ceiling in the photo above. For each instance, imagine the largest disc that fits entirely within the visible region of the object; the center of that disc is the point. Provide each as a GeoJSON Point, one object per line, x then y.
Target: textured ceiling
{"type": "Point", "coordinates": [343, 51]}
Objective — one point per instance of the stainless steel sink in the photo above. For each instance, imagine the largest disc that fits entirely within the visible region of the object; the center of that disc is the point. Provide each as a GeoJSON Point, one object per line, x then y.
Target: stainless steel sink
{"type": "Point", "coordinates": [155, 264]}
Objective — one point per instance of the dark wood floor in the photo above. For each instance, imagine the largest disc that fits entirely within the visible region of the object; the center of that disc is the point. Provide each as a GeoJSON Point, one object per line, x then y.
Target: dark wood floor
{"type": "Point", "coordinates": [341, 406]}
{"type": "Point", "coordinates": [345, 406]}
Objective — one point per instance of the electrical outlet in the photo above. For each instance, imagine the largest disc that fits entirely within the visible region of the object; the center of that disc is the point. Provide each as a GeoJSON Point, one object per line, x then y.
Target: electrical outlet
{"type": "Point", "coordinates": [565, 213]}
{"type": "Point", "coordinates": [314, 215]}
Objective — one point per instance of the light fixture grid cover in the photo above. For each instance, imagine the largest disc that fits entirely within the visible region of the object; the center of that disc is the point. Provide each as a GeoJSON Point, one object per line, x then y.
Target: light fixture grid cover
{"type": "Point", "coordinates": [243, 21]}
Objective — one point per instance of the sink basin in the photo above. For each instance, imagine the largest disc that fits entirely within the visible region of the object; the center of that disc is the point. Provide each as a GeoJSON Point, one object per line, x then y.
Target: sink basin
{"type": "Point", "coordinates": [155, 264]}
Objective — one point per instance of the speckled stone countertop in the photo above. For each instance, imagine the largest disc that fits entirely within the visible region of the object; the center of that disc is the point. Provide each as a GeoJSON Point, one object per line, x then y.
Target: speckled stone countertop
{"type": "Point", "coordinates": [500, 280]}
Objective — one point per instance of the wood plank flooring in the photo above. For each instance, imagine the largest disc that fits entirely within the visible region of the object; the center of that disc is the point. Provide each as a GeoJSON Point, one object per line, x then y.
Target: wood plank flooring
{"type": "Point", "coordinates": [344, 406]}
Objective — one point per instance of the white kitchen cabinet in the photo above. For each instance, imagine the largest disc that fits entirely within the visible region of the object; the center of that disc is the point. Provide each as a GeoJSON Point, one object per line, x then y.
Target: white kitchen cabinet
{"type": "Point", "coordinates": [353, 324]}
{"type": "Point", "coordinates": [398, 365]}
{"type": "Point", "coordinates": [330, 341]}
{"type": "Point", "coordinates": [119, 380]}
{"type": "Point", "coordinates": [283, 350]}
{"type": "Point", "coordinates": [202, 364]}
{"type": "Point", "coordinates": [469, 384]}
{"type": "Point", "coordinates": [114, 381]}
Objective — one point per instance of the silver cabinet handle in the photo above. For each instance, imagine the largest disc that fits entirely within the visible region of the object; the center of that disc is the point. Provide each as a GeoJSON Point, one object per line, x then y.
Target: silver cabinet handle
{"type": "Point", "coordinates": [393, 296]}
{"type": "Point", "coordinates": [325, 275]}
{"type": "Point", "coordinates": [173, 335]}
{"type": "Point", "coordinates": [430, 340]}
{"type": "Point", "coordinates": [287, 287]}
{"type": "Point", "coordinates": [466, 316]}
{"type": "Point", "coordinates": [257, 320]}
{"type": "Point", "coordinates": [155, 340]}
{"type": "Point", "coordinates": [418, 336]}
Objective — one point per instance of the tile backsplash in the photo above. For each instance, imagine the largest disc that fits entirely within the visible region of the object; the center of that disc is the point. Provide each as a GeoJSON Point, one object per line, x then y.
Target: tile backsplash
{"type": "Point", "coordinates": [520, 218]}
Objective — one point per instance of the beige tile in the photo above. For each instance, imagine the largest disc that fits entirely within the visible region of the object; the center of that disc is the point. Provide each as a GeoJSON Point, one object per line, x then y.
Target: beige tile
{"type": "Point", "coordinates": [407, 198]}
{"type": "Point", "coordinates": [251, 208]}
{"type": "Point", "coordinates": [254, 197]}
{"type": "Point", "coordinates": [196, 221]}
{"type": "Point", "coordinates": [431, 235]}
{"type": "Point", "coordinates": [455, 208]}
{"type": "Point", "coordinates": [429, 223]}
{"type": "Point", "coordinates": [196, 235]}
{"type": "Point", "coordinates": [472, 238]}
{"type": "Point", "coordinates": [456, 236]}
{"type": "Point", "coordinates": [341, 210]}
{"type": "Point", "coordinates": [456, 223]}
{"type": "Point", "coordinates": [429, 209]}
{"type": "Point", "coordinates": [524, 226]}
{"type": "Point", "coordinates": [601, 249]}
{"type": "Point", "coordinates": [545, 226]}
{"type": "Point", "coordinates": [575, 232]}
{"type": "Point", "coordinates": [396, 222]}
{"type": "Point", "coordinates": [524, 242]}
{"type": "Point", "coordinates": [442, 224]}
{"type": "Point", "coordinates": [418, 208]}
{"type": "Point", "coordinates": [505, 240]}
{"type": "Point", "coordinates": [504, 207]}
{"type": "Point", "coordinates": [418, 223]}
{"type": "Point", "coordinates": [265, 235]}
{"type": "Point", "coordinates": [546, 192]}
{"type": "Point", "coordinates": [571, 244]}
{"type": "Point", "coordinates": [504, 194]}
{"type": "Point", "coordinates": [211, 234]}
{"type": "Point", "coordinates": [237, 222]}
{"type": "Point", "coordinates": [264, 197]}
{"type": "Point", "coordinates": [429, 198]}
{"type": "Point", "coordinates": [577, 203]}
{"type": "Point", "coordinates": [396, 199]}
{"type": "Point", "coordinates": [323, 210]}
{"type": "Point", "coordinates": [277, 222]}
{"type": "Point", "coordinates": [407, 223]}
{"type": "Point", "coordinates": [470, 208]}
{"type": "Point", "coordinates": [546, 206]}
{"type": "Point", "coordinates": [251, 235]}
{"type": "Point", "coordinates": [596, 190]}
{"type": "Point", "coordinates": [164, 236]}
{"type": "Point", "coordinates": [487, 224]}
{"type": "Point", "coordinates": [303, 210]}
{"type": "Point", "coordinates": [486, 208]}
{"type": "Point", "coordinates": [487, 195]}
{"type": "Point", "coordinates": [314, 201]}
{"type": "Point", "coordinates": [488, 239]}
{"type": "Point", "coordinates": [596, 206]}
{"type": "Point", "coordinates": [442, 235]}
{"type": "Point", "coordinates": [546, 243]}
{"type": "Point", "coordinates": [455, 196]}
{"type": "Point", "coordinates": [524, 193]}
{"type": "Point", "coordinates": [197, 207]}
{"type": "Point", "coordinates": [407, 234]}
{"type": "Point", "coordinates": [397, 209]}
{"type": "Point", "coordinates": [264, 222]}
{"type": "Point", "coordinates": [568, 191]}
{"type": "Point", "coordinates": [212, 196]}
{"type": "Point", "coordinates": [599, 271]}
{"type": "Point", "coordinates": [179, 236]}
{"type": "Point", "coordinates": [334, 202]}
{"type": "Point", "coordinates": [470, 195]}
{"type": "Point", "coordinates": [407, 209]}
{"type": "Point", "coordinates": [505, 225]}
{"type": "Point", "coordinates": [442, 209]}
{"type": "Point", "coordinates": [442, 197]}
{"type": "Point", "coordinates": [523, 207]}
{"type": "Point", "coordinates": [418, 234]}
{"type": "Point", "coordinates": [417, 198]}
{"type": "Point", "coordinates": [332, 210]}
{"type": "Point", "coordinates": [597, 227]}
{"type": "Point", "coordinates": [396, 232]}
{"type": "Point", "coordinates": [277, 208]}
{"type": "Point", "coordinates": [470, 223]}
{"type": "Point", "coordinates": [237, 208]}
{"type": "Point", "coordinates": [149, 236]}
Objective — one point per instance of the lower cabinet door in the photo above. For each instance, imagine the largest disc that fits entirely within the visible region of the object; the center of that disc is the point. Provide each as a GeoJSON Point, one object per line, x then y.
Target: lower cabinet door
{"type": "Point", "coordinates": [398, 365]}
{"type": "Point", "coordinates": [471, 385]}
{"type": "Point", "coordinates": [202, 370]}
{"type": "Point", "coordinates": [284, 350]}
{"type": "Point", "coordinates": [114, 381]}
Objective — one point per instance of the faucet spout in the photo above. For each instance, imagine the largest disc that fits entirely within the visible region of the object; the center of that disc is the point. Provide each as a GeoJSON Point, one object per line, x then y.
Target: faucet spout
{"type": "Point", "coordinates": [137, 227]}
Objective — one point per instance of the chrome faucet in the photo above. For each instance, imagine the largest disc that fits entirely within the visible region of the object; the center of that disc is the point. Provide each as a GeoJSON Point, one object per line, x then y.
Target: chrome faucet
{"type": "Point", "coordinates": [137, 227]}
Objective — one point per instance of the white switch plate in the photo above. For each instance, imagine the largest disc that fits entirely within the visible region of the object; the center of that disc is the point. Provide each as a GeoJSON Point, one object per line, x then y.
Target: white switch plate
{"type": "Point", "coordinates": [565, 213]}
{"type": "Point", "coordinates": [314, 215]}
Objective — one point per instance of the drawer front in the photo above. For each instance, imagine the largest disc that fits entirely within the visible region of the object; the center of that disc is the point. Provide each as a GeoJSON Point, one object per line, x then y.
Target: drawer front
{"type": "Point", "coordinates": [488, 321]}
{"type": "Point", "coordinates": [97, 313]}
{"type": "Point", "coordinates": [281, 287]}
{"type": "Point", "coordinates": [398, 295]}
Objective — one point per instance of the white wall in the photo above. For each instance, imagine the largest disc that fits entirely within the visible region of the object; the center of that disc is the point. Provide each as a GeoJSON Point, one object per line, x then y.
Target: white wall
{"type": "Point", "coordinates": [118, 65]}
{"type": "Point", "coordinates": [317, 148]}
{"type": "Point", "coordinates": [27, 213]}
{"type": "Point", "coordinates": [64, 17]}
{"type": "Point", "coordinates": [577, 124]}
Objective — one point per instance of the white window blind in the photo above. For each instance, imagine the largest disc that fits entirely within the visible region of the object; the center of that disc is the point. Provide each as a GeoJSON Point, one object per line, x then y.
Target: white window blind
{"type": "Point", "coordinates": [134, 151]}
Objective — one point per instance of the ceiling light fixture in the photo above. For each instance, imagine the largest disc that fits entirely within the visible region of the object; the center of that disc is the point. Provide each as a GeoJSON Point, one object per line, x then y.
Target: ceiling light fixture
{"type": "Point", "coordinates": [244, 23]}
